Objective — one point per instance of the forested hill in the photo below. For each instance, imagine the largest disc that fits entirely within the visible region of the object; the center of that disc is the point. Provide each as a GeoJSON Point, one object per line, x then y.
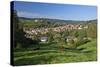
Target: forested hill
{"type": "Point", "coordinates": [55, 20]}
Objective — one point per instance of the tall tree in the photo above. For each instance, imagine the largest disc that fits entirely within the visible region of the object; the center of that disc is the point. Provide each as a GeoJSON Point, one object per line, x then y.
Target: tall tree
{"type": "Point", "coordinates": [18, 34]}
{"type": "Point", "coordinates": [92, 30]}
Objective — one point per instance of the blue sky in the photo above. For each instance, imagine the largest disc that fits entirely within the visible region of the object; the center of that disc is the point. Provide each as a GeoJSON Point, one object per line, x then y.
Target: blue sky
{"type": "Point", "coordinates": [55, 11]}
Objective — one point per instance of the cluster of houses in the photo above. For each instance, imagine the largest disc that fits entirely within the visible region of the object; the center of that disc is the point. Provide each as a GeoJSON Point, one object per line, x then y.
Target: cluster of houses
{"type": "Point", "coordinates": [31, 31]}
{"type": "Point", "coordinates": [55, 29]}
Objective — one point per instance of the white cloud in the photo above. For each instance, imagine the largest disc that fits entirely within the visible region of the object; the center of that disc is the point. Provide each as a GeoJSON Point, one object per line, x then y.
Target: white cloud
{"type": "Point", "coordinates": [36, 15]}
{"type": "Point", "coordinates": [29, 14]}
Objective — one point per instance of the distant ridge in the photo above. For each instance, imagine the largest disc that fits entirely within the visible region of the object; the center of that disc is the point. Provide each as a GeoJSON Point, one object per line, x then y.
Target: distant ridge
{"type": "Point", "coordinates": [58, 20]}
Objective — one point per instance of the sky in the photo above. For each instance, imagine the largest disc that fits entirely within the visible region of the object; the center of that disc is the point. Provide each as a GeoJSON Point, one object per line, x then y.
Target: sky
{"type": "Point", "coordinates": [55, 11]}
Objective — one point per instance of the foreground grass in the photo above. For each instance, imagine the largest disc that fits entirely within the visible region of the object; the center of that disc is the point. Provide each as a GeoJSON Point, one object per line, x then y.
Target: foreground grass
{"type": "Point", "coordinates": [54, 55]}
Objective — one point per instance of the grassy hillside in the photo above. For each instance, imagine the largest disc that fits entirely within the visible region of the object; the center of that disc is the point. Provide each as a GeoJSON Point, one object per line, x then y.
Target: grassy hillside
{"type": "Point", "coordinates": [49, 54]}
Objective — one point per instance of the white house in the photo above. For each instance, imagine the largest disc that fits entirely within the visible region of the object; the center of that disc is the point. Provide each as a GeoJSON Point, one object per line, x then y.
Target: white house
{"type": "Point", "coordinates": [44, 39]}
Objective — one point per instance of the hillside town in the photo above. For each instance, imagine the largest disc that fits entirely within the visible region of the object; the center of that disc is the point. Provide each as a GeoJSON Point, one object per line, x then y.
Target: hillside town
{"type": "Point", "coordinates": [55, 29]}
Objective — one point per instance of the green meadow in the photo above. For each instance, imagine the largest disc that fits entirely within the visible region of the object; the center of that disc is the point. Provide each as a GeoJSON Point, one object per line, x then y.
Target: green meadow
{"type": "Point", "coordinates": [50, 54]}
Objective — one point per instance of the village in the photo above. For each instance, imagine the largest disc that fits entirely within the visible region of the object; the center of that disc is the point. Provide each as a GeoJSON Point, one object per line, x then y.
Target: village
{"type": "Point", "coordinates": [67, 27]}
{"type": "Point", "coordinates": [55, 29]}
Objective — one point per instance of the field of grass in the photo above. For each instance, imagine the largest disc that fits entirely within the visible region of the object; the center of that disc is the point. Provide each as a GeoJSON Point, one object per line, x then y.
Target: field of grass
{"type": "Point", "coordinates": [50, 54]}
